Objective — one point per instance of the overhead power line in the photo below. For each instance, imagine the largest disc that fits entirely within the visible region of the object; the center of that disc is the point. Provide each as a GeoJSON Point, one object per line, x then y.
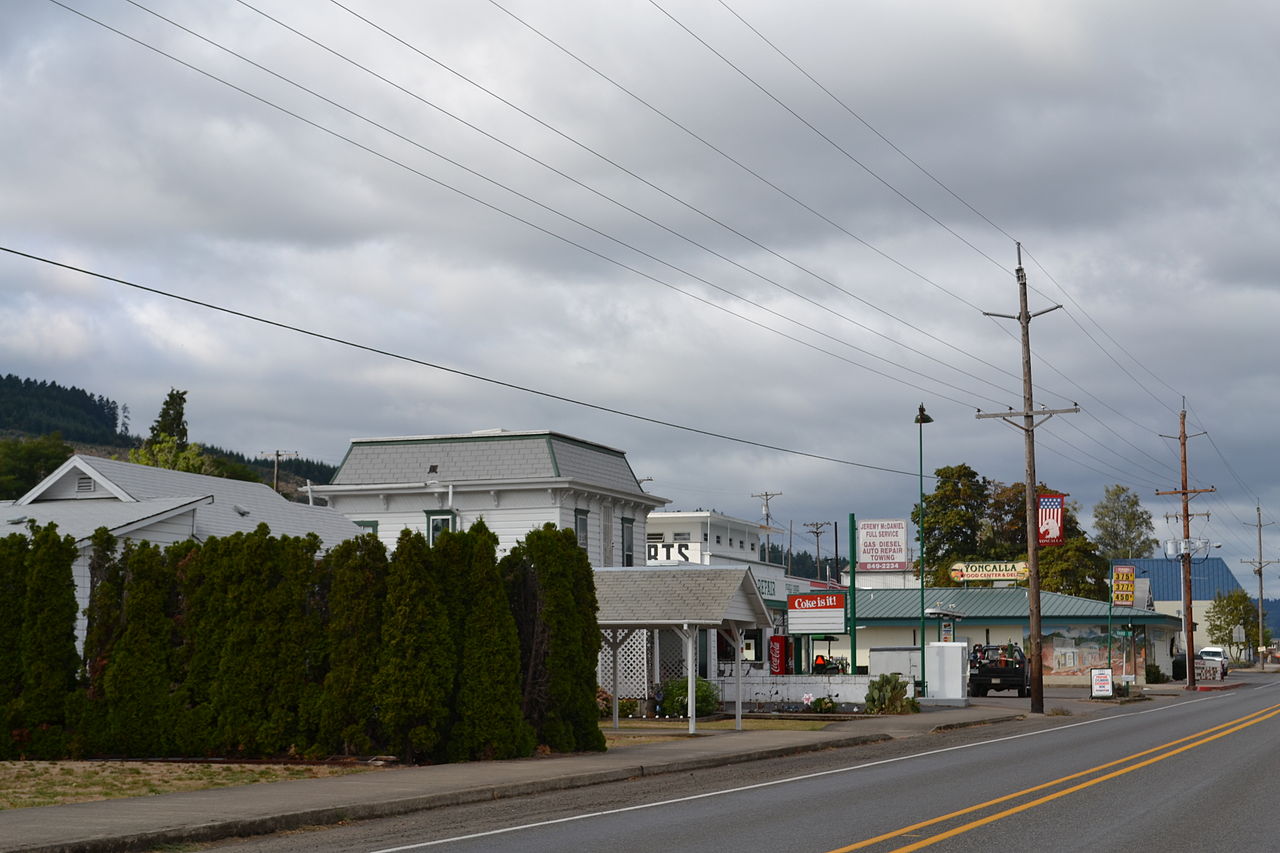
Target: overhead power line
{"type": "Point", "coordinates": [459, 372]}
{"type": "Point", "coordinates": [569, 241]}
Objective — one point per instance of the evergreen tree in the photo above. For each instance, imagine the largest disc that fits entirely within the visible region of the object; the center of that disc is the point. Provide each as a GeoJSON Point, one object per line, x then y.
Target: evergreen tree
{"type": "Point", "coordinates": [25, 462]}
{"type": "Point", "coordinates": [293, 649]}
{"type": "Point", "coordinates": [172, 420]}
{"type": "Point", "coordinates": [47, 644]}
{"type": "Point", "coordinates": [105, 622]}
{"type": "Point", "coordinates": [13, 584]}
{"type": "Point", "coordinates": [489, 723]}
{"type": "Point", "coordinates": [553, 598]}
{"type": "Point", "coordinates": [415, 681]}
{"type": "Point", "coordinates": [357, 569]}
{"type": "Point", "coordinates": [137, 677]}
{"type": "Point", "coordinates": [245, 575]}
{"type": "Point", "coordinates": [203, 619]}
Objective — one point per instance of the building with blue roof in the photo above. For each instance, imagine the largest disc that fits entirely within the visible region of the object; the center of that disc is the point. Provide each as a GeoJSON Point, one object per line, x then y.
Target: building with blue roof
{"type": "Point", "coordinates": [1210, 578]}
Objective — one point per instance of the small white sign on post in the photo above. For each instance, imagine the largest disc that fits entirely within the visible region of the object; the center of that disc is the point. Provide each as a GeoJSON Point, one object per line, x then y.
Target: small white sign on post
{"type": "Point", "coordinates": [1100, 684]}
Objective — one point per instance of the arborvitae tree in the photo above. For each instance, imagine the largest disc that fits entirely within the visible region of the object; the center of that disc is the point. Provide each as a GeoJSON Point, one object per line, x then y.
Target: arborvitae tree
{"type": "Point", "coordinates": [266, 682]}
{"type": "Point", "coordinates": [204, 616]}
{"type": "Point", "coordinates": [105, 622]}
{"type": "Point", "coordinates": [138, 674]}
{"type": "Point", "coordinates": [357, 571]}
{"type": "Point", "coordinates": [553, 598]}
{"type": "Point", "coordinates": [414, 684]}
{"type": "Point", "coordinates": [489, 723]}
{"type": "Point", "coordinates": [48, 641]}
{"type": "Point", "coordinates": [291, 643]}
{"type": "Point", "coordinates": [13, 584]}
{"type": "Point", "coordinates": [242, 681]}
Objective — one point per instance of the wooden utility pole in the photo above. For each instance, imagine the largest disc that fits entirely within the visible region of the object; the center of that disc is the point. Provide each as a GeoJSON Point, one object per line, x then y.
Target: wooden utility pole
{"type": "Point", "coordinates": [277, 455]}
{"type": "Point", "coordinates": [816, 527]}
{"type": "Point", "coordinates": [1258, 565]}
{"type": "Point", "coordinates": [1188, 622]}
{"type": "Point", "coordinates": [1028, 427]}
{"type": "Point", "coordinates": [768, 521]}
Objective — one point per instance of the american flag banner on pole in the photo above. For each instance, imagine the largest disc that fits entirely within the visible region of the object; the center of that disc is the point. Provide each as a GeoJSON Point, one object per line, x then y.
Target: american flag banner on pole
{"type": "Point", "coordinates": [1050, 520]}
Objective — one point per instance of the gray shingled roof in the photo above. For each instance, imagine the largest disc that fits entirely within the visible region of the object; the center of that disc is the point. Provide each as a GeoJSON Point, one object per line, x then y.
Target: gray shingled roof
{"type": "Point", "coordinates": [652, 597]}
{"type": "Point", "coordinates": [156, 491]}
{"type": "Point", "coordinates": [498, 456]}
{"type": "Point", "coordinates": [1003, 604]}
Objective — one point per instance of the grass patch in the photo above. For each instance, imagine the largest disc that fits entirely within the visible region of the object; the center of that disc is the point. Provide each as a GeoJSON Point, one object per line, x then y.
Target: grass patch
{"type": "Point", "coordinates": [1058, 712]}
{"type": "Point", "coordinates": [631, 732]}
{"type": "Point", "coordinates": [24, 784]}
{"type": "Point", "coordinates": [721, 725]}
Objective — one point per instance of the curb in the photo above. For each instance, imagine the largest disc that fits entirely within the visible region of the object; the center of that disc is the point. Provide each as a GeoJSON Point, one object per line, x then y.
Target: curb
{"type": "Point", "coordinates": [1205, 688]}
{"type": "Point", "coordinates": [985, 721]}
{"type": "Point", "coordinates": [266, 825]}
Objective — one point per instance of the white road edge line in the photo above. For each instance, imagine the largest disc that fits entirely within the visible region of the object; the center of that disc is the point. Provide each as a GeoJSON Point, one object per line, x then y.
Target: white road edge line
{"type": "Point", "coordinates": [787, 780]}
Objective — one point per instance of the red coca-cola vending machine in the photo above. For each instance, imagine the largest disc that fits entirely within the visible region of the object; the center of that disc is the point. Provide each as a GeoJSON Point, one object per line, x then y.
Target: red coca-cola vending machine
{"type": "Point", "coordinates": [778, 655]}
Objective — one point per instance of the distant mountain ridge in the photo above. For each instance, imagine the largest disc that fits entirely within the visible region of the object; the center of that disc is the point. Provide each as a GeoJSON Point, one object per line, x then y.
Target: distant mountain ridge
{"type": "Point", "coordinates": [96, 424]}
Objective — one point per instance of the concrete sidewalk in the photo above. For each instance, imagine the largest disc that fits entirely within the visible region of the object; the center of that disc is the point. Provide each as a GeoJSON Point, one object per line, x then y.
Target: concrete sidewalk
{"type": "Point", "coordinates": [142, 823]}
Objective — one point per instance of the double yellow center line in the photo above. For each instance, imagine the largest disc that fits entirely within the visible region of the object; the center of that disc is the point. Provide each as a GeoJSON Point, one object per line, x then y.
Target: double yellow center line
{"type": "Point", "coordinates": [1150, 756]}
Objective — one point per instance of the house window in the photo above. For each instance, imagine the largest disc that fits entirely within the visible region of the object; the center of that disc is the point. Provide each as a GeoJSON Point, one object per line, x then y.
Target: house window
{"type": "Point", "coordinates": [369, 526]}
{"type": "Point", "coordinates": [580, 526]}
{"type": "Point", "coordinates": [680, 537]}
{"type": "Point", "coordinates": [654, 537]}
{"type": "Point", "coordinates": [717, 538]}
{"type": "Point", "coordinates": [628, 542]}
{"type": "Point", "coordinates": [437, 523]}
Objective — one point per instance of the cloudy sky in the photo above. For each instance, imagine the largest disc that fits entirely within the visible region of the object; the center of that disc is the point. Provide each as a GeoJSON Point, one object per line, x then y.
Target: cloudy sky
{"type": "Point", "coordinates": [777, 222]}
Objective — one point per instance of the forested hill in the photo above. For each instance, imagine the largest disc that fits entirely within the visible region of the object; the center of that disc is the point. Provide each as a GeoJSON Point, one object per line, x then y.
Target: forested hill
{"type": "Point", "coordinates": [39, 407]}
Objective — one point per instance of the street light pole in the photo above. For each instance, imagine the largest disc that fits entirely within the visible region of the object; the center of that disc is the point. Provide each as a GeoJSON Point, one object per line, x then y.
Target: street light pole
{"type": "Point", "coordinates": [921, 420]}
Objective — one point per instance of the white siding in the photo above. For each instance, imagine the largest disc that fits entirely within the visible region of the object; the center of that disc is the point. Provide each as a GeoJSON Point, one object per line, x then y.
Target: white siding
{"type": "Point", "coordinates": [510, 514]}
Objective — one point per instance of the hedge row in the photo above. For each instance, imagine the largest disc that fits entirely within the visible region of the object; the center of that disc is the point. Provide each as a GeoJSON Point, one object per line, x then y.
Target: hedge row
{"type": "Point", "coordinates": [260, 646]}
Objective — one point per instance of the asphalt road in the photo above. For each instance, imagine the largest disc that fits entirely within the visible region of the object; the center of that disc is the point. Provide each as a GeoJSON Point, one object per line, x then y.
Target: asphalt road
{"type": "Point", "coordinates": [1186, 772]}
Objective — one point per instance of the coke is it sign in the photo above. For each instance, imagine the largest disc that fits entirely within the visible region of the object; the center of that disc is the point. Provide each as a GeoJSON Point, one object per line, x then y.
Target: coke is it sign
{"type": "Point", "coordinates": [816, 613]}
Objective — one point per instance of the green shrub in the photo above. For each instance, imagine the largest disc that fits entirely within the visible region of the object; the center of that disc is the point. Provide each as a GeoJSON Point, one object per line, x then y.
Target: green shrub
{"type": "Point", "coordinates": [1155, 675]}
{"type": "Point", "coordinates": [887, 694]}
{"type": "Point", "coordinates": [823, 705]}
{"type": "Point", "coordinates": [675, 697]}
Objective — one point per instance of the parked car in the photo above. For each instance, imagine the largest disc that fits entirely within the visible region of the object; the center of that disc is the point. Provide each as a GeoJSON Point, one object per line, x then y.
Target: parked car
{"type": "Point", "coordinates": [998, 668]}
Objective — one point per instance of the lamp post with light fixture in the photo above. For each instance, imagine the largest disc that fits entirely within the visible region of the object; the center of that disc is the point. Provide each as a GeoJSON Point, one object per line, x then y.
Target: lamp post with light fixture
{"type": "Point", "coordinates": [921, 419]}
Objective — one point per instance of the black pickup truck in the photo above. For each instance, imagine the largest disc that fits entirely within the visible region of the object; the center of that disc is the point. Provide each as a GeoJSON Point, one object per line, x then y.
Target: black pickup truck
{"type": "Point", "coordinates": [998, 668]}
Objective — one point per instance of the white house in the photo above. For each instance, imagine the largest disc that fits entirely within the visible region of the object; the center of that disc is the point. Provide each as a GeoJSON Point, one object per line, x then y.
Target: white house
{"type": "Point", "coordinates": [157, 505]}
{"type": "Point", "coordinates": [515, 481]}
{"type": "Point", "coordinates": [707, 537]}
